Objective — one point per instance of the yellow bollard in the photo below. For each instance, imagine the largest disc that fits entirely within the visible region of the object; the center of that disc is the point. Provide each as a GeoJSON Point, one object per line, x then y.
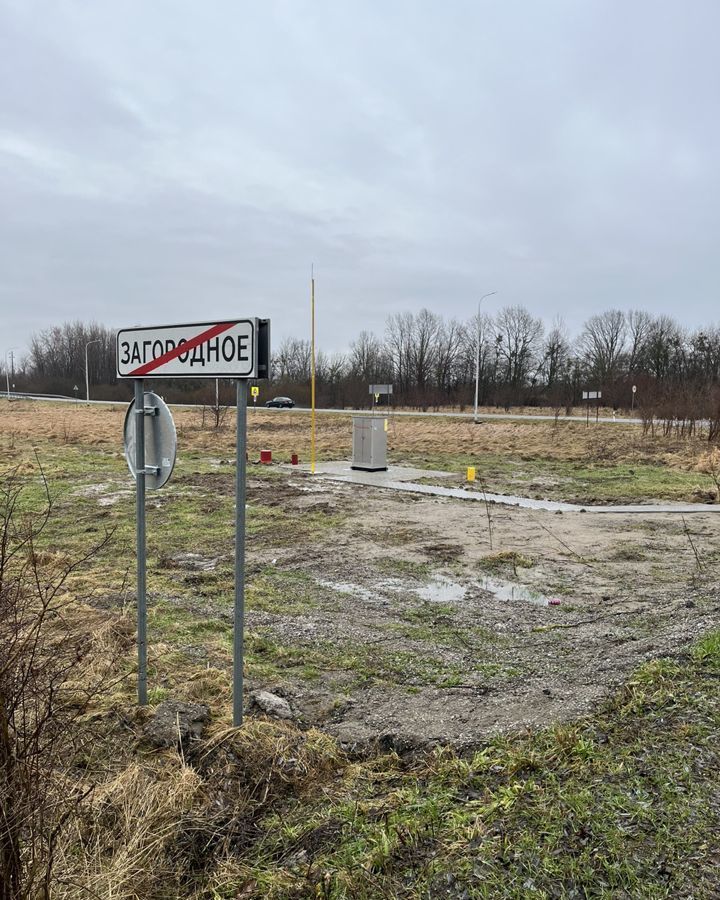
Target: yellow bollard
{"type": "Point", "coordinates": [471, 473]}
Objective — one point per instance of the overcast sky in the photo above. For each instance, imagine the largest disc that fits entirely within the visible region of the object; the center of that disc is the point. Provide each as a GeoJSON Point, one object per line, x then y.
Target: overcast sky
{"type": "Point", "coordinates": [165, 161]}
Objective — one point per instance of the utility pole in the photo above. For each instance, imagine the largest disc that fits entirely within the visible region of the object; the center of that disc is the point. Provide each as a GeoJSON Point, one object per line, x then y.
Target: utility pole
{"type": "Point", "coordinates": [9, 353]}
{"type": "Point", "coordinates": [477, 357]}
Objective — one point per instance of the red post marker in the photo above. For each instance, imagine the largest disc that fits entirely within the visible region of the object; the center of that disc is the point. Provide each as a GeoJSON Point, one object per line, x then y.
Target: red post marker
{"type": "Point", "coordinates": [294, 459]}
{"type": "Point", "coordinates": [266, 457]}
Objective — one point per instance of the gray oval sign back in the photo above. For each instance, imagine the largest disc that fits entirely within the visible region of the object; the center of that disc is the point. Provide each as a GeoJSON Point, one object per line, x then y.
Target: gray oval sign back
{"type": "Point", "coordinates": [160, 441]}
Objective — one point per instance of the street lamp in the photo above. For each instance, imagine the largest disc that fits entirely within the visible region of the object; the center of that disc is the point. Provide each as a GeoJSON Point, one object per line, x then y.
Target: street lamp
{"type": "Point", "coordinates": [7, 371]}
{"type": "Point", "coordinates": [477, 358]}
{"type": "Point", "coordinates": [87, 373]}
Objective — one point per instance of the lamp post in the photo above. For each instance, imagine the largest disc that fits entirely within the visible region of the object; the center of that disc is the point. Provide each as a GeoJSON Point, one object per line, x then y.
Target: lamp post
{"type": "Point", "coordinates": [7, 371]}
{"type": "Point", "coordinates": [87, 372]}
{"type": "Point", "coordinates": [477, 358]}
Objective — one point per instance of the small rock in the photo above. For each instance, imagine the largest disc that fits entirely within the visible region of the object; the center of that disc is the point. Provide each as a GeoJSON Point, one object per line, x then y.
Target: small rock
{"type": "Point", "coordinates": [272, 705]}
{"type": "Point", "coordinates": [690, 604]}
{"type": "Point", "coordinates": [176, 722]}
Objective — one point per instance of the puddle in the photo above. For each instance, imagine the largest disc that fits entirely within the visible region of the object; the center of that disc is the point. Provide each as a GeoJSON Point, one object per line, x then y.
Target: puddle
{"type": "Point", "coordinates": [346, 587]}
{"type": "Point", "coordinates": [441, 589]}
{"type": "Point", "coordinates": [511, 591]}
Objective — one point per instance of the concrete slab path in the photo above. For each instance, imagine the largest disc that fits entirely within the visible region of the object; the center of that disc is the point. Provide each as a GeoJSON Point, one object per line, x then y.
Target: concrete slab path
{"type": "Point", "coordinates": [402, 478]}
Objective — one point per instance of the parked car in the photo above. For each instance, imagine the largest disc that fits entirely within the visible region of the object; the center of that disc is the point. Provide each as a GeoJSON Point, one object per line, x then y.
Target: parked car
{"type": "Point", "coordinates": [281, 402]}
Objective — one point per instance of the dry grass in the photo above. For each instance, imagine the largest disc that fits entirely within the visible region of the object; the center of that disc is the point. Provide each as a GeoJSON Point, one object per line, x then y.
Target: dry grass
{"type": "Point", "coordinates": [287, 433]}
{"type": "Point", "coordinates": [163, 827]}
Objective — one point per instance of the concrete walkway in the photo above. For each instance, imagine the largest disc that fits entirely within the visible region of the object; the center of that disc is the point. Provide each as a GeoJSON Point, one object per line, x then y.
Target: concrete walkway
{"type": "Point", "coordinates": [401, 478]}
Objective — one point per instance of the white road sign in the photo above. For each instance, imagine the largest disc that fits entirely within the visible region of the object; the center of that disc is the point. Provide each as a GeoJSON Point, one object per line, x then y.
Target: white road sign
{"type": "Point", "coordinates": [237, 348]}
{"type": "Point", "coordinates": [592, 395]}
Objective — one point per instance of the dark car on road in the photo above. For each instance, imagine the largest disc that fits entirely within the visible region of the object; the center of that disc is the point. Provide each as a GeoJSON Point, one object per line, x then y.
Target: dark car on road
{"type": "Point", "coordinates": [281, 402]}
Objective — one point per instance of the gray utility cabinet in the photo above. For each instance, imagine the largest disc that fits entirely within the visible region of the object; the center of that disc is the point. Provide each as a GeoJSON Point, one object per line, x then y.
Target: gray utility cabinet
{"type": "Point", "coordinates": [369, 443]}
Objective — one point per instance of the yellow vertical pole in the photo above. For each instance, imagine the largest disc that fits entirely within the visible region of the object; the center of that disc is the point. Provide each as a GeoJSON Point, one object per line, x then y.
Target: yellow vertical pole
{"type": "Point", "coordinates": [312, 371]}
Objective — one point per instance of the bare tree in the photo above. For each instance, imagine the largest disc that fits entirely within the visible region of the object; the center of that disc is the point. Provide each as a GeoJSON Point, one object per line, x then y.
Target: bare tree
{"type": "Point", "coordinates": [448, 354]}
{"type": "Point", "coordinates": [292, 361]}
{"type": "Point", "coordinates": [423, 349]}
{"type": "Point", "coordinates": [556, 353]}
{"type": "Point", "coordinates": [398, 344]}
{"type": "Point", "coordinates": [639, 323]}
{"type": "Point", "coordinates": [519, 337]}
{"type": "Point", "coordinates": [368, 361]}
{"type": "Point", "coordinates": [704, 355]}
{"type": "Point", "coordinates": [664, 351]}
{"type": "Point", "coordinates": [59, 353]}
{"type": "Point", "coordinates": [603, 342]}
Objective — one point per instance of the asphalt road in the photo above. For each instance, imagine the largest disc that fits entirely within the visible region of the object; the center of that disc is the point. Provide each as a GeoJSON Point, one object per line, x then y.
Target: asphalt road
{"type": "Point", "coordinates": [380, 411]}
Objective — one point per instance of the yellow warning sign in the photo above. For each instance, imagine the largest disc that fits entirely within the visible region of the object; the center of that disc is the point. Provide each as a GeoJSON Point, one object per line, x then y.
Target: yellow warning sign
{"type": "Point", "coordinates": [255, 391]}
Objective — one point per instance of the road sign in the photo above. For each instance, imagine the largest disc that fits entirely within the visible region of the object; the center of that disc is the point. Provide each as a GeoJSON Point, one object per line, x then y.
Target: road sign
{"type": "Point", "coordinates": [592, 395]}
{"type": "Point", "coordinates": [381, 389]}
{"type": "Point", "coordinates": [237, 348]}
{"type": "Point", "coordinates": [634, 389]}
{"type": "Point", "coordinates": [254, 391]}
{"type": "Point", "coordinates": [160, 441]}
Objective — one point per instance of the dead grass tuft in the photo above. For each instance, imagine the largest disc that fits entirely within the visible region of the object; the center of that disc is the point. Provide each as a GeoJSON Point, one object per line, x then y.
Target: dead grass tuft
{"type": "Point", "coordinates": [496, 562]}
{"type": "Point", "coordinates": [120, 847]}
{"type": "Point", "coordinates": [266, 760]}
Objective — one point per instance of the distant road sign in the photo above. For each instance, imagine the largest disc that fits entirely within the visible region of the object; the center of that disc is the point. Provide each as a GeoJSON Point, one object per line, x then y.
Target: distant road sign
{"type": "Point", "coordinates": [381, 389]}
{"type": "Point", "coordinates": [239, 348]}
{"type": "Point", "coordinates": [254, 390]}
{"type": "Point", "coordinates": [592, 395]}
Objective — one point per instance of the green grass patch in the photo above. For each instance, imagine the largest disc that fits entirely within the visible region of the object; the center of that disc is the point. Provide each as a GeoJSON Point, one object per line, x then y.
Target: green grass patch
{"type": "Point", "coordinates": [571, 480]}
{"type": "Point", "coordinates": [620, 804]}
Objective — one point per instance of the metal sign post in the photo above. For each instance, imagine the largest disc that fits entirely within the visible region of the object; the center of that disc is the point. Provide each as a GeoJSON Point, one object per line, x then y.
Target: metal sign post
{"type": "Point", "coordinates": [239, 618]}
{"type": "Point", "coordinates": [139, 413]}
{"type": "Point", "coordinates": [240, 349]}
{"type": "Point", "coordinates": [377, 389]}
{"type": "Point", "coordinates": [592, 395]}
{"type": "Point", "coordinates": [150, 455]}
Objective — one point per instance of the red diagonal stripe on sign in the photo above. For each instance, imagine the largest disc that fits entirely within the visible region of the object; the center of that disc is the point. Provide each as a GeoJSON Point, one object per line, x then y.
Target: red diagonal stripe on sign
{"type": "Point", "coordinates": [182, 348]}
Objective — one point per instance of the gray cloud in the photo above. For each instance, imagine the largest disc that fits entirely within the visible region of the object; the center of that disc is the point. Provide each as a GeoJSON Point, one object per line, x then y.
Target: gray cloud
{"type": "Point", "coordinates": [161, 160]}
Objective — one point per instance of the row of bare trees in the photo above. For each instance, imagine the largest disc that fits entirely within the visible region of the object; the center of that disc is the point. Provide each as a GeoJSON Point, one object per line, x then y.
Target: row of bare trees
{"type": "Point", "coordinates": [432, 360]}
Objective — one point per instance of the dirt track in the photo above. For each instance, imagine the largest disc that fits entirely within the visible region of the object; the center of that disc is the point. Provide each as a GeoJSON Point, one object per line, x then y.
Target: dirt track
{"type": "Point", "coordinates": [627, 590]}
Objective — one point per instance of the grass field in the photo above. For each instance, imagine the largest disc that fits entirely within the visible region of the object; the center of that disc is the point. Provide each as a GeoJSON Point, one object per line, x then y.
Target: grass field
{"type": "Point", "coordinates": [445, 741]}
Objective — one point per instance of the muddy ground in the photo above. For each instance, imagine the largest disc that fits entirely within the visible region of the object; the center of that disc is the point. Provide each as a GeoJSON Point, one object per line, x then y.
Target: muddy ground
{"type": "Point", "coordinates": [380, 615]}
{"type": "Point", "coordinates": [432, 620]}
